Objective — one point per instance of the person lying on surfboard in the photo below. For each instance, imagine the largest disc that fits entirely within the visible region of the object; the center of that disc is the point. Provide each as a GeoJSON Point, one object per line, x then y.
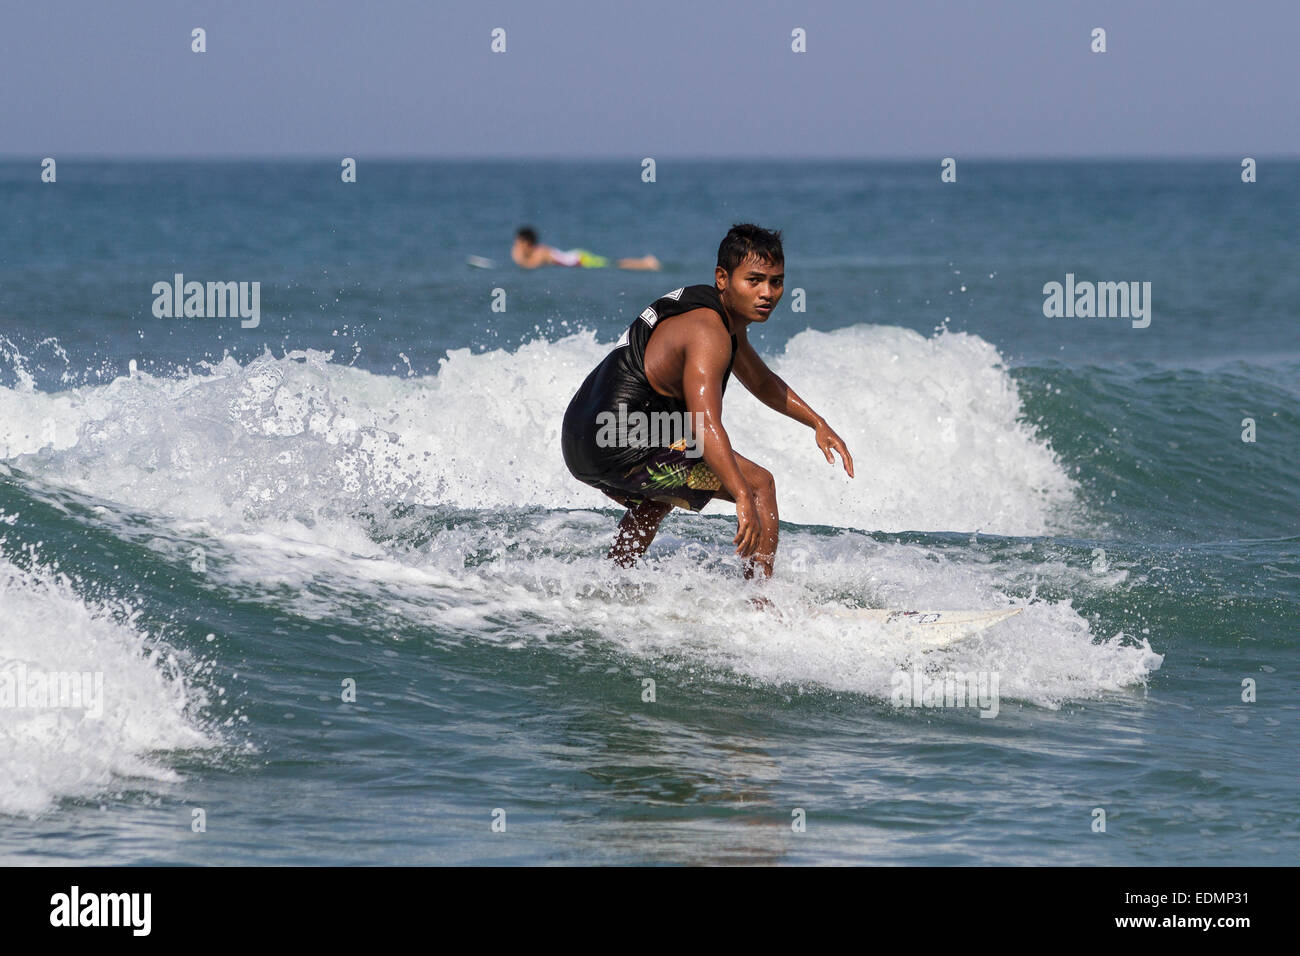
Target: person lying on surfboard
{"type": "Point", "coordinates": [529, 253]}
{"type": "Point", "coordinates": [646, 429]}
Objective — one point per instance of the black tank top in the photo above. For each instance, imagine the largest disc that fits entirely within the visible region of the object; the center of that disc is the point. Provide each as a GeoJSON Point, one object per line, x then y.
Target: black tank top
{"type": "Point", "coordinates": [621, 378]}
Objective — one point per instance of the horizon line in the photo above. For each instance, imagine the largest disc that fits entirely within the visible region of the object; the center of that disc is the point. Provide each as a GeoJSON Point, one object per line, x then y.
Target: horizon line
{"type": "Point", "coordinates": [563, 158]}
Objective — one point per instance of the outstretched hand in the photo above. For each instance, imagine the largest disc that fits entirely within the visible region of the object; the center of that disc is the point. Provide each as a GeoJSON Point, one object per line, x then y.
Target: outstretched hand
{"type": "Point", "coordinates": [827, 441]}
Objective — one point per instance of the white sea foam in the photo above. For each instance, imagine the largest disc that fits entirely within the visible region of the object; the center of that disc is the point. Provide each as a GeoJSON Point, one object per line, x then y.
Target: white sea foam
{"type": "Point", "coordinates": [275, 461]}
{"type": "Point", "coordinates": [543, 581]}
{"type": "Point", "coordinates": [934, 425]}
{"type": "Point", "coordinates": [148, 704]}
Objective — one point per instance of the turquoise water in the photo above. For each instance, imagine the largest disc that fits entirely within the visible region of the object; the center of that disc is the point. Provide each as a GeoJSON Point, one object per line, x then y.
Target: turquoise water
{"type": "Point", "coordinates": [367, 486]}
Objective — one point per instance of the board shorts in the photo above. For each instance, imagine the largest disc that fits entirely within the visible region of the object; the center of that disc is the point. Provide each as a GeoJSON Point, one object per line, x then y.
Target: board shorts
{"type": "Point", "coordinates": [669, 475]}
{"type": "Point", "coordinates": [583, 258]}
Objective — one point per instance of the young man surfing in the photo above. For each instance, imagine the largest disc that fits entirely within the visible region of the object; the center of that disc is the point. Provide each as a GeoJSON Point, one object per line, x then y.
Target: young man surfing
{"type": "Point", "coordinates": [670, 370]}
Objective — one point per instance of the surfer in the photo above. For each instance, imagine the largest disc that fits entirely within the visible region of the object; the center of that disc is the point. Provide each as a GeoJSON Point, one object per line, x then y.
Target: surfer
{"type": "Point", "coordinates": [675, 361]}
{"type": "Point", "coordinates": [529, 253]}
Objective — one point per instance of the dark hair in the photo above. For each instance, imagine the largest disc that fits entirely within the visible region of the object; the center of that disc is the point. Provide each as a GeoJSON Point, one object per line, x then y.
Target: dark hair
{"type": "Point", "coordinates": [745, 239]}
{"type": "Point", "coordinates": [527, 234]}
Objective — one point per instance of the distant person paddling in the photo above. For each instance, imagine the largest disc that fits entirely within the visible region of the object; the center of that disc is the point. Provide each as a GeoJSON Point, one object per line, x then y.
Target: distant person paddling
{"type": "Point", "coordinates": [529, 253]}
{"type": "Point", "coordinates": [646, 429]}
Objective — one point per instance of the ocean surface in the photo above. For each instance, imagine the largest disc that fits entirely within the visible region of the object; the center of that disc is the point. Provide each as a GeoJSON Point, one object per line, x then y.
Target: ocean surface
{"type": "Point", "coordinates": [236, 528]}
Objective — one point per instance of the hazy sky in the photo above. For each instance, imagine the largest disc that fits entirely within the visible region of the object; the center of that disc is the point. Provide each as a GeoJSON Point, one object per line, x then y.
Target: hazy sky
{"type": "Point", "coordinates": [658, 78]}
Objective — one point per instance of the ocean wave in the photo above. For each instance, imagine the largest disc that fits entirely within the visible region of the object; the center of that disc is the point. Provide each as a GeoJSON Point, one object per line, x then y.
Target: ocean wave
{"type": "Point", "coordinates": [936, 426]}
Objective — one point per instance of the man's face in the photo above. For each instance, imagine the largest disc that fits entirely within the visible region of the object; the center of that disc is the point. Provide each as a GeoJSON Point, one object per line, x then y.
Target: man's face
{"type": "Point", "coordinates": [754, 288]}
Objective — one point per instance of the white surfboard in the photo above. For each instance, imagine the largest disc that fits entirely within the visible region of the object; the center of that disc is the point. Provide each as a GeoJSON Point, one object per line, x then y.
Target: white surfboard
{"type": "Point", "coordinates": [929, 628]}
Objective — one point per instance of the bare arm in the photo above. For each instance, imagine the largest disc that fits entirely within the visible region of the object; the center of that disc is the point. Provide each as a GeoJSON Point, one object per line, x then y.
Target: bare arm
{"type": "Point", "coordinates": [772, 391]}
{"type": "Point", "coordinates": [768, 387]}
{"type": "Point", "coordinates": [703, 366]}
{"type": "Point", "coordinates": [708, 351]}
